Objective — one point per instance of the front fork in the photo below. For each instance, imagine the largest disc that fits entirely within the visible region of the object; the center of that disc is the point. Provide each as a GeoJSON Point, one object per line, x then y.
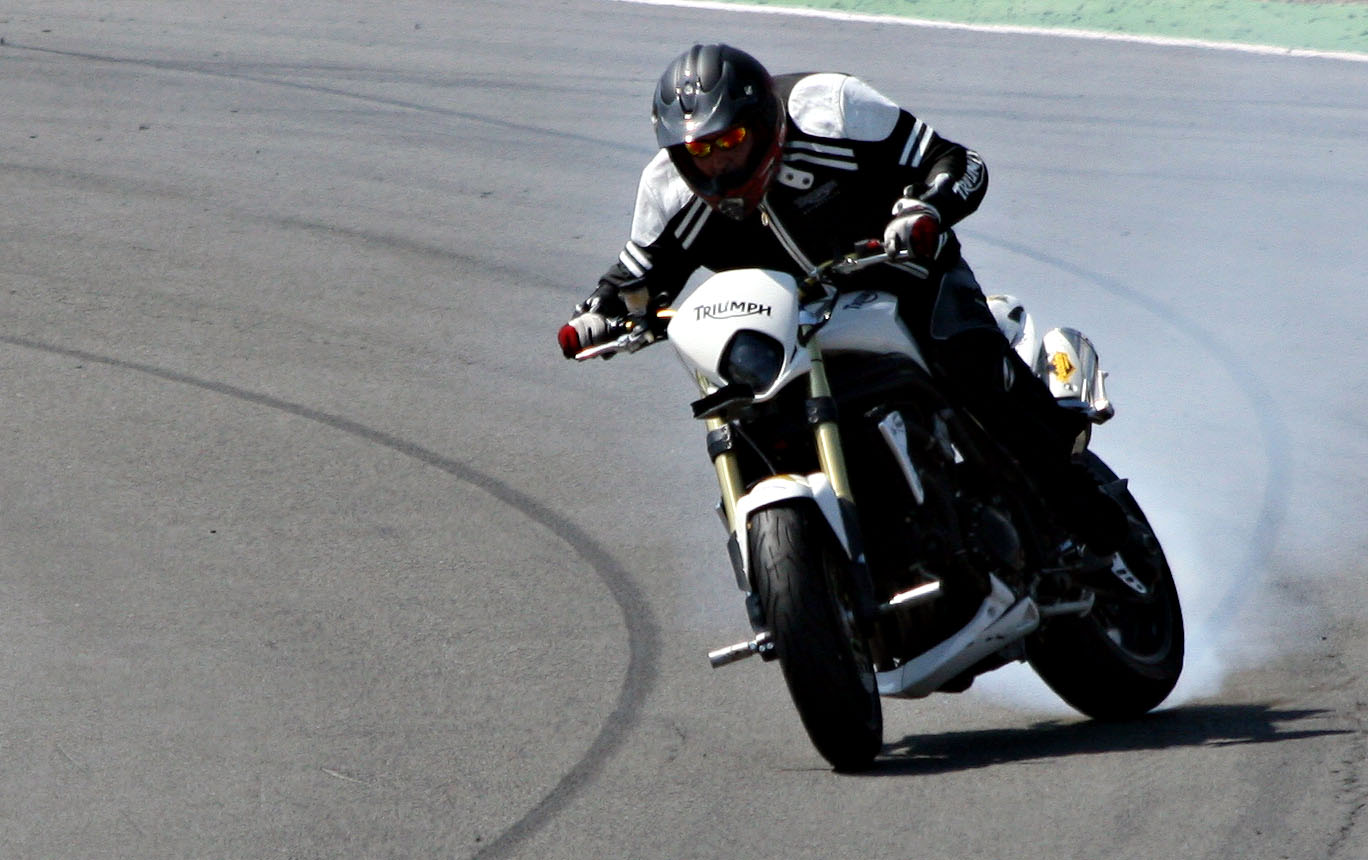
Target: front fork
{"type": "Point", "coordinates": [821, 414]}
{"type": "Point", "coordinates": [821, 411]}
{"type": "Point", "coordinates": [727, 468]}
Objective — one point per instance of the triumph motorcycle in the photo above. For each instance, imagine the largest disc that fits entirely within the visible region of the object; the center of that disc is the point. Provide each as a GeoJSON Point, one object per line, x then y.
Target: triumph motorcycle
{"type": "Point", "coordinates": [886, 545]}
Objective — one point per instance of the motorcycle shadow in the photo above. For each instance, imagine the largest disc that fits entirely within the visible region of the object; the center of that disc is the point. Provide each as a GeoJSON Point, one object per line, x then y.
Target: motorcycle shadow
{"type": "Point", "coordinates": [1185, 726]}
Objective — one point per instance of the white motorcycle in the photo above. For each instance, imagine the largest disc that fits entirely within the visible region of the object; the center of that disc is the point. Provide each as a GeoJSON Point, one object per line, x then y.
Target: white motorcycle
{"type": "Point", "coordinates": [886, 545]}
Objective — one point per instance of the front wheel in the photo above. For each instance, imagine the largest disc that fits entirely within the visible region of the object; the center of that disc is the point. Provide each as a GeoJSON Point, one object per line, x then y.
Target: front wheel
{"type": "Point", "coordinates": [1124, 657]}
{"type": "Point", "coordinates": [803, 582]}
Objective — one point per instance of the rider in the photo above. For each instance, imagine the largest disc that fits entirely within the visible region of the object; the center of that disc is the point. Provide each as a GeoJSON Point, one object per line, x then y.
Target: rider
{"type": "Point", "coordinates": [784, 172]}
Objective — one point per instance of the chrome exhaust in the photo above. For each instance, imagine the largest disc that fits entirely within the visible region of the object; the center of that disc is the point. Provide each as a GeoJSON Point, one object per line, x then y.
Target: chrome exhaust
{"type": "Point", "coordinates": [763, 644]}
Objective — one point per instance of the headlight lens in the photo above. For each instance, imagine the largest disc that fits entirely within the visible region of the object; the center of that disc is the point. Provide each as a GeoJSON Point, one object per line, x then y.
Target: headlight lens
{"type": "Point", "coordinates": [753, 359]}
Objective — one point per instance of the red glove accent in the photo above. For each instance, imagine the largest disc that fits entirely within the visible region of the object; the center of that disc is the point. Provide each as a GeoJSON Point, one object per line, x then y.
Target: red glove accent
{"type": "Point", "coordinates": [569, 340]}
{"type": "Point", "coordinates": [925, 237]}
{"type": "Point", "coordinates": [582, 332]}
{"type": "Point", "coordinates": [915, 228]}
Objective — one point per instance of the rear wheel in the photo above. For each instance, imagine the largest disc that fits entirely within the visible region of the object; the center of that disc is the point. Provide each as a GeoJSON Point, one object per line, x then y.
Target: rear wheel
{"type": "Point", "coordinates": [804, 586]}
{"type": "Point", "coordinates": [1124, 657]}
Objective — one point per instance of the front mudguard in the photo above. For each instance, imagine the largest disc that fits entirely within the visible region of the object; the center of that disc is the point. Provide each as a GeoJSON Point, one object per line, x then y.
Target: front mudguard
{"type": "Point", "coordinates": [814, 488]}
{"type": "Point", "coordinates": [838, 516]}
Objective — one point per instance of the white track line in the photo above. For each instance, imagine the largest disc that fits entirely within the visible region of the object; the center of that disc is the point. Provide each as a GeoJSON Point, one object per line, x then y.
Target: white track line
{"type": "Point", "coordinates": [1059, 32]}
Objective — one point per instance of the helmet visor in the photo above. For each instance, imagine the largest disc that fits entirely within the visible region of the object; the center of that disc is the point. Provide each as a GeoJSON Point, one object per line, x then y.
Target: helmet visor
{"type": "Point", "coordinates": [729, 139]}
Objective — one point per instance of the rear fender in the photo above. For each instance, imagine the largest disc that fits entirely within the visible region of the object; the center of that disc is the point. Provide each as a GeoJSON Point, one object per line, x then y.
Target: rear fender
{"type": "Point", "coordinates": [814, 488]}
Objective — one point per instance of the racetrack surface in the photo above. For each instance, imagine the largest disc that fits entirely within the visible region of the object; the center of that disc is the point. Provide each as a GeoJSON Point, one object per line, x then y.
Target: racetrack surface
{"type": "Point", "coordinates": [313, 546]}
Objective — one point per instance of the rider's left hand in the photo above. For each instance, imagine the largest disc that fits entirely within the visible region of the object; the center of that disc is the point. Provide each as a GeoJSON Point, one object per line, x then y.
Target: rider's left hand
{"type": "Point", "coordinates": [915, 228]}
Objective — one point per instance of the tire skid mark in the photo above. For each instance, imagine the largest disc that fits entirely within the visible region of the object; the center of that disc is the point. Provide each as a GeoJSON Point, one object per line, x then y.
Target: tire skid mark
{"type": "Point", "coordinates": [108, 183]}
{"type": "Point", "coordinates": [642, 631]}
{"type": "Point", "coordinates": [1273, 506]}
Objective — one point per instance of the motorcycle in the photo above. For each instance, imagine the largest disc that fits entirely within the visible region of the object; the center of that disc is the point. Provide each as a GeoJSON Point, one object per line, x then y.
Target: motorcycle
{"type": "Point", "coordinates": [886, 545]}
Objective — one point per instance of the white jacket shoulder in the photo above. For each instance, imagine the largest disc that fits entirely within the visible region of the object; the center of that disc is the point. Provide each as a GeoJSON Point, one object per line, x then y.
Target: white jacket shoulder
{"type": "Point", "coordinates": [660, 195]}
{"type": "Point", "coordinates": [841, 106]}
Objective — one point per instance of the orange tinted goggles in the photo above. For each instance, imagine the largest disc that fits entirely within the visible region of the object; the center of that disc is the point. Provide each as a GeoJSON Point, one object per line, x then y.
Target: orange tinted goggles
{"type": "Point", "coordinates": [728, 139]}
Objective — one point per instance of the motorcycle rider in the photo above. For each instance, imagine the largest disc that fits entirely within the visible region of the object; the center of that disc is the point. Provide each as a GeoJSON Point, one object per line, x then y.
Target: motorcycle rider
{"type": "Point", "coordinates": [784, 172]}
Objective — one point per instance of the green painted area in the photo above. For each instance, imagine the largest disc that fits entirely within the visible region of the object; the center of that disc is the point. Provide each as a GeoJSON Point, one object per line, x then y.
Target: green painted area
{"type": "Point", "coordinates": [1313, 24]}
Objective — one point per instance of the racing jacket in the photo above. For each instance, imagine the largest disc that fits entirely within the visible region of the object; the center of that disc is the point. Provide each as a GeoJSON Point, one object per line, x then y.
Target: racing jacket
{"type": "Point", "coordinates": [848, 154]}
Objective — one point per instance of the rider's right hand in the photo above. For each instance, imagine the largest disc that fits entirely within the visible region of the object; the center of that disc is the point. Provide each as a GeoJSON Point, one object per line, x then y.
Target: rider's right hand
{"type": "Point", "coordinates": [581, 332]}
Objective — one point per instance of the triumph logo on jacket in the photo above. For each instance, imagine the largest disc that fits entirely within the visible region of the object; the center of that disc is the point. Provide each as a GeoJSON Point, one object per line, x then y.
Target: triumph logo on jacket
{"type": "Point", "coordinates": [732, 310]}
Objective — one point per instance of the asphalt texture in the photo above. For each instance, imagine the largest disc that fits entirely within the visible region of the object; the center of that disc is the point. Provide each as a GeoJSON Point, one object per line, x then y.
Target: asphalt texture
{"type": "Point", "coordinates": [312, 545]}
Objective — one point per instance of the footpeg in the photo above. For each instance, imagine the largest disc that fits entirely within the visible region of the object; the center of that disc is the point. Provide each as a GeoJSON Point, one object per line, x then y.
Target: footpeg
{"type": "Point", "coordinates": [762, 645]}
{"type": "Point", "coordinates": [1111, 575]}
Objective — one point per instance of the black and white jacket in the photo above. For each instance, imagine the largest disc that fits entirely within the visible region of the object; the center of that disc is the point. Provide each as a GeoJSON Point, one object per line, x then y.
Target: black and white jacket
{"type": "Point", "coordinates": [849, 153]}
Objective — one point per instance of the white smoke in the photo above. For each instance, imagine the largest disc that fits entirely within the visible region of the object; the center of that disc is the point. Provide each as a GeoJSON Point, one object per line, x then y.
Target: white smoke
{"type": "Point", "coordinates": [1229, 615]}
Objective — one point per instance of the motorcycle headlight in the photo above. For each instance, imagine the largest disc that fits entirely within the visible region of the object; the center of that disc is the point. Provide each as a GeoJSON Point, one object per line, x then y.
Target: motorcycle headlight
{"type": "Point", "coordinates": [753, 359]}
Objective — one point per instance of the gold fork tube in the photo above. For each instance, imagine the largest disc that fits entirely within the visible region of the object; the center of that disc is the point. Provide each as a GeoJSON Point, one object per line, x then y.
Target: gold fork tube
{"type": "Point", "coordinates": [829, 455]}
{"type": "Point", "coordinates": [828, 437]}
{"type": "Point", "coordinates": [728, 477]}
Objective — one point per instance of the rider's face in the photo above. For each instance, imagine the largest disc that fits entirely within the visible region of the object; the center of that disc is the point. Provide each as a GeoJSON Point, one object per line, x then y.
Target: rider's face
{"type": "Point", "coordinates": [720, 161]}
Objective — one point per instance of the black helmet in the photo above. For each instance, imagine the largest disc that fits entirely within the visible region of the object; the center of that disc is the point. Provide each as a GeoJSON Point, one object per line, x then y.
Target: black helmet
{"type": "Point", "coordinates": [710, 89]}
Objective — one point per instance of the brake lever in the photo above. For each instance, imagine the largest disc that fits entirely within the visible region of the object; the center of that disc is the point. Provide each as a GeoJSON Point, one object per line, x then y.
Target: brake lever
{"type": "Point", "coordinates": [637, 337]}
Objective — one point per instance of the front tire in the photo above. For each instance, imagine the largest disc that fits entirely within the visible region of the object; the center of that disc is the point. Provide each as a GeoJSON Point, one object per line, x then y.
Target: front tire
{"type": "Point", "coordinates": [1124, 657]}
{"type": "Point", "coordinates": [803, 582]}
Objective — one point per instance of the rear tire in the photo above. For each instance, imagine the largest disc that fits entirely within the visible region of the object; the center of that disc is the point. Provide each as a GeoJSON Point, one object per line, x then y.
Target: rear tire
{"type": "Point", "coordinates": [1124, 657]}
{"type": "Point", "coordinates": [804, 586]}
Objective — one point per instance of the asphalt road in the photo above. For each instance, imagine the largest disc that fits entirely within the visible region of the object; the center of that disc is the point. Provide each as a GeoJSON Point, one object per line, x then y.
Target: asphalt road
{"type": "Point", "coordinates": [312, 546]}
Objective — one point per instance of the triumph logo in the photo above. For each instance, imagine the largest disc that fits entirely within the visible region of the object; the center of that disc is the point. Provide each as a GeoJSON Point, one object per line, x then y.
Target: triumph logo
{"type": "Point", "coordinates": [732, 310]}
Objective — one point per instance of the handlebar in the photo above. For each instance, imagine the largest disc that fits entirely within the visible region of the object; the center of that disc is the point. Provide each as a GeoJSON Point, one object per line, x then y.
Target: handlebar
{"type": "Point", "coordinates": [631, 335]}
{"type": "Point", "coordinates": [869, 252]}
